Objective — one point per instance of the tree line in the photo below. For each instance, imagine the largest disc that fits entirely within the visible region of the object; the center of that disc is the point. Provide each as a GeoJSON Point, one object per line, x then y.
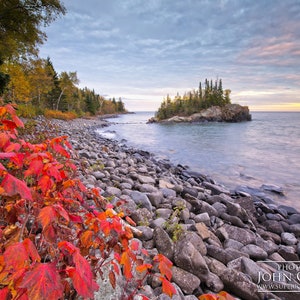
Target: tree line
{"type": "Point", "coordinates": [35, 83]}
{"type": "Point", "coordinates": [211, 94]}
{"type": "Point", "coordinates": [31, 81]}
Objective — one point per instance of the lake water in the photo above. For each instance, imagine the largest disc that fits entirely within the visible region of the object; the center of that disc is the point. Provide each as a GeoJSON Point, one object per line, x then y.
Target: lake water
{"type": "Point", "coordinates": [263, 151]}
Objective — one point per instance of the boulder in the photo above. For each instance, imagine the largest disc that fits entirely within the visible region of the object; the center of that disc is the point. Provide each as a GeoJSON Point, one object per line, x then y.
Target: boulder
{"type": "Point", "coordinates": [187, 257]}
{"type": "Point", "coordinates": [235, 113]}
{"type": "Point", "coordinates": [163, 242]}
{"type": "Point", "coordinates": [185, 280]}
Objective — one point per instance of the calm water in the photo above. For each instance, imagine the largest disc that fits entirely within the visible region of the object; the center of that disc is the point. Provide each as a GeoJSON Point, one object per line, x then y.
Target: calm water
{"type": "Point", "coordinates": [263, 151]}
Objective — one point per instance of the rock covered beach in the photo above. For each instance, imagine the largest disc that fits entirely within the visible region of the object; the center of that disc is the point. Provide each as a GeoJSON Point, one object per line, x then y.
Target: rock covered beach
{"type": "Point", "coordinates": [217, 239]}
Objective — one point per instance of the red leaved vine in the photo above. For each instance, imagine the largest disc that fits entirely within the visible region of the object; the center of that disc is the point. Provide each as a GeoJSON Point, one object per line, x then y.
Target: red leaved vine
{"type": "Point", "coordinates": [52, 244]}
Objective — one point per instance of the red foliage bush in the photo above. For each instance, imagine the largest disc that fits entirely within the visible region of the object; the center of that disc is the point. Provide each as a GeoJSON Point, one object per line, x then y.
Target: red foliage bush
{"type": "Point", "coordinates": [52, 244]}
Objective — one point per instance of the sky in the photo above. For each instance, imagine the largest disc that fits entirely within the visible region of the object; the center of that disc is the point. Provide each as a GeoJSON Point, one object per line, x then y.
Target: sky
{"type": "Point", "coordinates": [143, 50]}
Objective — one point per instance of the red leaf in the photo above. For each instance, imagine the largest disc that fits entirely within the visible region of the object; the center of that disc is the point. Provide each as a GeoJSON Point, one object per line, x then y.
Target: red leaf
{"type": "Point", "coordinates": [62, 212]}
{"type": "Point", "coordinates": [164, 265]}
{"type": "Point", "coordinates": [134, 245]}
{"type": "Point", "coordinates": [4, 139]}
{"type": "Point", "coordinates": [9, 125]}
{"type": "Point", "coordinates": [4, 293]}
{"type": "Point", "coordinates": [13, 186]}
{"type": "Point", "coordinates": [43, 282]}
{"type": "Point", "coordinates": [112, 279]}
{"type": "Point", "coordinates": [75, 219]}
{"type": "Point", "coordinates": [86, 239]}
{"type": "Point", "coordinates": [168, 288]}
{"type": "Point", "coordinates": [15, 257]}
{"type": "Point", "coordinates": [13, 147]}
{"type": "Point", "coordinates": [2, 168]}
{"type": "Point", "coordinates": [130, 221]}
{"type": "Point", "coordinates": [18, 122]}
{"type": "Point", "coordinates": [143, 268]}
{"type": "Point", "coordinates": [126, 262]}
{"type": "Point", "coordinates": [45, 183]}
{"type": "Point", "coordinates": [31, 250]}
{"type": "Point", "coordinates": [47, 215]}
{"type": "Point", "coordinates": [4, 155]}
{"type": "Point", "coordinates": [35, 168]}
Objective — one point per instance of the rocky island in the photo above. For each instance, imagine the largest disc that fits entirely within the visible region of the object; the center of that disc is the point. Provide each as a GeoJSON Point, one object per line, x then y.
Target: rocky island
{"type": "Point", "coordinates": [210, 103]}
{"type": "Point", "coordinates": [228, 113]}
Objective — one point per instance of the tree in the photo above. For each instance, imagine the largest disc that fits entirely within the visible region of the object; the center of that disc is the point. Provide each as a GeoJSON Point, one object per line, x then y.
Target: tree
{"type": "Point", "coordinates": [40, 80]}
{"type": "Point", "coordinates": [21, 22]}
{"type": "Point", "coordinates": [18, 88]}
{"type": "Point", "coordinates": [67, 82]}
{"type": "Point", "coordinates": [20, 27]}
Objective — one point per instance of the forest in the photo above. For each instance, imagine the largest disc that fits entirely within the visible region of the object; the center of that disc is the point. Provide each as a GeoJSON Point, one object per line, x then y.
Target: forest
{"type": "Point", "coordinates": [31, 81]}
{"type": "Point", "coordinates": [211, 94]}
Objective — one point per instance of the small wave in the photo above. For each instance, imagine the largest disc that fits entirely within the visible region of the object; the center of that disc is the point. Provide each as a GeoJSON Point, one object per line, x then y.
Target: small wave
{"type": "Point", "coordinates": [108, 134]}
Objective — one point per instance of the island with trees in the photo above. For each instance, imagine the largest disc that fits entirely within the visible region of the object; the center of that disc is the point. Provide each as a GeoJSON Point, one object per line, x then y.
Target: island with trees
{"type": "Point", "coordinates": [208, 103]}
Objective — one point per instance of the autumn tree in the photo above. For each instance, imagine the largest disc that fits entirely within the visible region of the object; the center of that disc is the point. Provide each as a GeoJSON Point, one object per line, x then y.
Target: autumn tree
{"type": "Point", "coordinates": [40, 79]}
{"type": "Point", "coordinates": [20, 28]}
{"type": "Point", "coordinates": [67, 83]}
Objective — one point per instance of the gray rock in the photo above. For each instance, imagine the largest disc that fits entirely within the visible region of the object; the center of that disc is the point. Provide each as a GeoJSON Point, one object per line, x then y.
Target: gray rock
{"type": "Point", "coordinates": [165, 184]}
{"type": "Point", "coordinates": [219, 207]}
{"type": "Point", "coordinates": [98, 175]}
{"type": "Point", "coordinates": [229, 243]}
{"type": "Point", "coordinates": [185, 280]}
{"type": "Point", "coordinates": [163, 243]}
{"type": "Point", "coordinates": [241, 235]}
{"type": "Point", "coordinates": [156, 198]}
{"type": "Point", "coordinates": [273, 226]}
{"type": "Point", "coordinates": [147, 188]}
{"type": "Point", "coordinates": [146, 179]}
{"type": "Point", "coordinates": [191, 191]}
{"type": "Point", "coordinates": [216, 189]}
{"type": "Point", "coordinates": [215, 266]}
{"type": "Point", "coordinates": [164, 213]}
{"type": "Point", "coordinates": [290, 210]}
{"type": "Point", "coordinates": [141, 200]}
{"type": "Point", "coordinates": [268, 245]}
{"type": "Point", "coordinates": [288, 253]}
{"type": "Point", "coordinates": [168, 193]}
{"type": "Point", "coordinates": [202, 230]}
{"type": "Point", "coordinates": [214, 283]}
{"type": "Point", "coordinates": [249, 267]}
{"type": "Point", "coordinates": [294, 219]}
{"type": "Point", "coordinates": [288, 238]}
{"type": "Point", "coordinates": [236, 221]}
{"type": "Point", "coordinates": [113, 191]}
{"type": "Point", "coordinates": [224, 256]}
{"type": "Point", "coordinates": [142, 216]}
{"type": "Point", "coordinates": [159, 222]}
{"type": "Point", "coordinates": [202, 218]}
{"type": "Point", "coordinates": [255, 252]}
{"type": "Point", "coordinates": [295, 228]}
{"type": "Point", "coordinates": [147, 233]}
{"type": "Point", "coordinates": [187, 257]}
{"type": "Point", "coordinates": [240, 284]}
{"type": "Point", "coordinates": [207, 208]}
{"type": "Point", "coordinates": [195, 239]}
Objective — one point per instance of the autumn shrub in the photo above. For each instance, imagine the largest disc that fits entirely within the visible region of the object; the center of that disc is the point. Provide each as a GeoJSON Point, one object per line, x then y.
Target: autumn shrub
{"type": "Point", "coordinates": [57, 114]}
{"type": "Point", "coordinates": [55, 234]}
{"type": "Point", "coordinates": [27, 111]}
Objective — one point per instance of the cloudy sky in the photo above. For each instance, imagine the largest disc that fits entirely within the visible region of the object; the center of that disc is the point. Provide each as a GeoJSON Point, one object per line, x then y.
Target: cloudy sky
{"type": "Point", "coordinates": [142, 50]}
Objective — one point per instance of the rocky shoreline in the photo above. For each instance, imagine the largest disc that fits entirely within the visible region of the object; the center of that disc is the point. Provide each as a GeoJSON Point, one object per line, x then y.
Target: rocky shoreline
{"type": "Point", "coordinates": [217, 239]}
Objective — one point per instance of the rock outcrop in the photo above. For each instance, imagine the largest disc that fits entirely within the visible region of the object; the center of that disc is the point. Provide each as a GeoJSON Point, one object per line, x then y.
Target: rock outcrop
{"type": "Point", "coordinates": [229, 113]}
